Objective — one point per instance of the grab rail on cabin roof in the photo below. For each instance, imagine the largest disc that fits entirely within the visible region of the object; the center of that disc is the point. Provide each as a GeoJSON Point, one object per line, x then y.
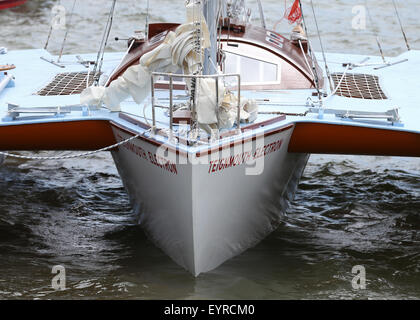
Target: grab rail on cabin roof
{"type": "Point", "coordinates": [171, 76]}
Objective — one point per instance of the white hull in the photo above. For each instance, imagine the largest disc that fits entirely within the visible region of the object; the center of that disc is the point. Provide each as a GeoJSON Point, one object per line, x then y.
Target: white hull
{"type": "Point", "coordinates": [202, 218]}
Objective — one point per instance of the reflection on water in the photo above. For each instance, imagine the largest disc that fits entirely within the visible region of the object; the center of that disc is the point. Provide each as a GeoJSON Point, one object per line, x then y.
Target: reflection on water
{"type": "Point", "coordinates": [348, 210]}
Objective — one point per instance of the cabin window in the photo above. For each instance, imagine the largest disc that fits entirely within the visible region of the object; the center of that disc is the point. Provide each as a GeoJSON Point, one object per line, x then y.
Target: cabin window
{"type": "Point", "coordinates": [251, 70]}
{"type": "Point", "coordinates": [255, 65]}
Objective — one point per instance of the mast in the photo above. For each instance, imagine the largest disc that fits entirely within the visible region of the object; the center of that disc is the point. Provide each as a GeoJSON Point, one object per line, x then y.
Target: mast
{"type": "Point", "coordinates": [210, 10]}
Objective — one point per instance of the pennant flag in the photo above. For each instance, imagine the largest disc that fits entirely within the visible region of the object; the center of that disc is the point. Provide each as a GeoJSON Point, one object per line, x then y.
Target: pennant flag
{"type": "Point", "coordinates": [294, 14]}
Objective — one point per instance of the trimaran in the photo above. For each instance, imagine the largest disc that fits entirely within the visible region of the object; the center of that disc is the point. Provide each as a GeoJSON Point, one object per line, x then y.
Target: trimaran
{"type": "Point", "coordinates": [210, 122]}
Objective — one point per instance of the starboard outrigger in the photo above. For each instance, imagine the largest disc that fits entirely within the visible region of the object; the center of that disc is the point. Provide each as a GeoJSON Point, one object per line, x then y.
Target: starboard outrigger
{"type": "Point", "coordinates": [210, 122]}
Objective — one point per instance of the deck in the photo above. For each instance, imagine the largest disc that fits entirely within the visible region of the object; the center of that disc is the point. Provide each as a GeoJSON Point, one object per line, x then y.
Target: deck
{"type": "Point", "coordinates": [342, 125]}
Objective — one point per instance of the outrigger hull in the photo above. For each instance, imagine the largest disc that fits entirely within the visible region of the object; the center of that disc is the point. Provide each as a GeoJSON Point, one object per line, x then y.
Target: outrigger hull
{"type": "Point", "coordinates": [202, 214]}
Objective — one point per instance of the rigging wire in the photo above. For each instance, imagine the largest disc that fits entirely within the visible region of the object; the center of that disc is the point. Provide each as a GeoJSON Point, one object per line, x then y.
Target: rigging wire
{"type": "Point", "coordinates": [401, 25]}
{"type": "Point", "coordinates": [375, 32]}
{"type": "Point", "coordinates": [262, 18]}
{"type": "Point", "coordinates": [146, 28]}
{"type": "Point", "coordinates": [104, 42]}
{"type": "Point", "coordinates": [67, 31]}
{"type": "Point", "coordinates": [311, 52]}
{"type": "Point", "coordinates": [322, 47]}
{"type": "Point", "coordinates": [220, 21]}
{"type": "Point", "coordinates": [50, 32]}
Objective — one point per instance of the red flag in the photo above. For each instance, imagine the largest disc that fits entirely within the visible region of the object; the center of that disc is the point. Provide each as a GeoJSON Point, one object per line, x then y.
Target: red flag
{"type": "Point", "coordinates": [294, 14]}
{"type": "Point", "coordinates": [5, 4]}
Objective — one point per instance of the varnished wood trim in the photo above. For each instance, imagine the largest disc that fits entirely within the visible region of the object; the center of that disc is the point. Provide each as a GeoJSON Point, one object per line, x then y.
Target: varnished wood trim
{"type": "Point", "coordinates": [276, 52]}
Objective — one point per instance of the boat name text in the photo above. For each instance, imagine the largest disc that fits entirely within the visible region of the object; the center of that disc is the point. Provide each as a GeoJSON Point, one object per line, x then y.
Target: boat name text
{"type": "Point", "coordinates": [244, 157]}
{"type": "Point", "coordinates": [153, 158]}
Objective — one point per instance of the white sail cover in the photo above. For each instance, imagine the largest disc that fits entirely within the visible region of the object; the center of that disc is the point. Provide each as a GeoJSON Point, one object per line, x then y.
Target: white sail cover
{"type": "Point", "coordinates": [178, 51]}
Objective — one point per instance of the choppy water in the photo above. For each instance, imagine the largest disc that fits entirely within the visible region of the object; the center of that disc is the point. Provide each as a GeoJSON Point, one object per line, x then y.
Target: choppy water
{"type": "Point", "coordinates": [348, 210]}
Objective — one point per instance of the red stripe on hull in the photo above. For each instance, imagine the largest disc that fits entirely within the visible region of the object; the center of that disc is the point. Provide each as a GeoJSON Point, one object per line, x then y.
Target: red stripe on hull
{"type": "Point", "coordinates": [339, 139]}
{"type": "Point", "coordinates": [70, 135]}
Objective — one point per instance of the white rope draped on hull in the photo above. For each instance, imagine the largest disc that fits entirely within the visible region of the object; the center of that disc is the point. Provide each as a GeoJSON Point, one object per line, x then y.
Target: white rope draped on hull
{"type": "Point", "coordinates": [73, 156]}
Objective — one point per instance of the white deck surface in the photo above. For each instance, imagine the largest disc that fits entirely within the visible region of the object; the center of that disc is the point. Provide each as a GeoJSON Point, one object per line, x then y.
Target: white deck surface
{"type": "Point", "coordinates": [400, 83]}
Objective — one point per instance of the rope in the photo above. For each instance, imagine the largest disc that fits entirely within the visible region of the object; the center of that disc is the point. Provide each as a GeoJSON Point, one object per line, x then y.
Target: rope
{"type": "Point", "coordinates": [80, 155]}
{"type": "Point", "coordinates": [339, 84]}
{"type": "Point", "coordinates": [285, 113]}
{"type": "Point", "coordinates": [282, 18]}
{"type": "Point", "coordinates": [121, 63]}
{"type": "Point", "coordinates": [341, 81]}
{"type": "Point", "coordinates": [306, 59]}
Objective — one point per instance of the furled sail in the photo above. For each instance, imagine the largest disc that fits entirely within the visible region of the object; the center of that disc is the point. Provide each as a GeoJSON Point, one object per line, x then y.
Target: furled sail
{"type": "Point", "coordinates": [177, 51]}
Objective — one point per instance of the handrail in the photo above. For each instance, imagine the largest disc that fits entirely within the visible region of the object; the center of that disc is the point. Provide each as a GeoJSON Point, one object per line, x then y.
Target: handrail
{"type": "Point", "coordinates": [171, 76]}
